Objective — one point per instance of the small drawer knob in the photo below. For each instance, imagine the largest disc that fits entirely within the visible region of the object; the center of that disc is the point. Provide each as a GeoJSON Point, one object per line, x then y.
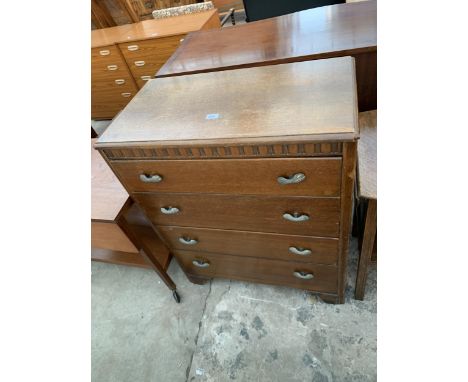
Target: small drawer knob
{"type": "Point", "coordinates": [126, 95]}
{"type": "Point", "coordinates": [187, 240]}
{"type": "Point", "coordinates": [120, 81]}
{"type": "Point", "coordinates": [169, 210]}
{"type": "Point", "coordinates": [201, 263]}
{"type": "Point", "coordinates": [303, 275]}
{"type": "Point", "coordinates": [104, 52]}
{"type": "Point", "coordinates": [132, 48]}
{"type": "Point", "coordinates": [296, 217]}
{"type": "Point", "coordinates": [145, 78]}
{"type": "Point", "coordinates": [145, 178]}
{"type": "Point", "coordinates": [111, 67]}
{"type": "Point", "coordinates": [139, 63]}
{"type": "Point", "coordinates": [293, 179]}
{"type": "Point", "coordinates": [300, 251]}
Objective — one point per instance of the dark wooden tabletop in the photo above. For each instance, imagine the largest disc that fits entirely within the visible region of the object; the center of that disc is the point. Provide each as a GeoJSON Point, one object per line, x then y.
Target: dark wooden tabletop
{"type": "Point", "coordinates": [337, 30]}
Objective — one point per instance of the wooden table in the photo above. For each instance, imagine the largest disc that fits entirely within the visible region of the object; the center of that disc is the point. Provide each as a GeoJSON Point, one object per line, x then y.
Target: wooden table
{"type": "Point", "coordinates": [367, 190]}
{"type": "Point", "coordinates": [246, 174]}
{"type": "Point", "coordinates": [120, 233]}
{"type": "Point", "coordinates": [125, 57]}
{"type": "Point", "coordinates": [332, 31]}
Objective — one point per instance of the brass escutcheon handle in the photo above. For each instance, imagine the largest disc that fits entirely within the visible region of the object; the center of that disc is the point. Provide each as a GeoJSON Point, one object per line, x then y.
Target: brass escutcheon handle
{"type": "Point", "coordinates": [201, 263]}
{"type": "Point", "coordinates": [300, 251]}
{"type": "Point", "coordinates": [145, 178]}
{"type": "Point", "coordinates": [169, 210]}
{"type": "Point", "coordinates": [296, 217]}
{"type": "Point", "coordinates": [293, 179]}
{"type": "Point", "coordinates": [303, 275]}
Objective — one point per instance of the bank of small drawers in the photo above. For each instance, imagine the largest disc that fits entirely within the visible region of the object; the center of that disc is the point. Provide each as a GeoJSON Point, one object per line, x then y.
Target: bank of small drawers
{"type": "Point", "coordinates": [112, 86]}
{"type": "Point", "coordinates": [119, 71]}
{"type": "Point", "coordinates": [269, 220]}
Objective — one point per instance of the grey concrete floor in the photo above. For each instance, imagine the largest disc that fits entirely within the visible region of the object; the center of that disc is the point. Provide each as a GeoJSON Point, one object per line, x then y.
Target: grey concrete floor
{"type": "Point", "coordinates": [227, 330]}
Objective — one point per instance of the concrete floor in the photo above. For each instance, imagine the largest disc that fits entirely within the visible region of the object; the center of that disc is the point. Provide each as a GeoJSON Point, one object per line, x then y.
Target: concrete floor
{"type": "Point", "coordinates": [227, 330]}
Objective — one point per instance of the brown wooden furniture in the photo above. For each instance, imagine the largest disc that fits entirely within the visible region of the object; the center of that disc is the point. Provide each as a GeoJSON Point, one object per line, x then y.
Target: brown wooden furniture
{"type": "Point", "coordinates": [332, 31]}
{"type": "Point", "coordinates": [120, 233]}
{"type": "Point", "coordinates": [367, 191]}
{"type": "Point", "coordinates": [246, 174]}
{"type": "Point", "coordinates": [125, 57]}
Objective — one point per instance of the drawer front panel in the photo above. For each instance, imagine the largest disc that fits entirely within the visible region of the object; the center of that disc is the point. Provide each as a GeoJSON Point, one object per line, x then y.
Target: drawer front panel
{"type": "Point", "coordinates": [145, 58]}
{"type": "Point", "coordinates": [323, 278]}
{"type": "Point", "coordinates": [107, 103]}
{"type": "Point", "coordinates": [247, 213]}
{"type": "Point", "coordinates": [107, 55]}
{"type": "Point", "coordinates": [108, 88]}
{"type": "Point", "coordinates": [242, 243]}
{"type": "Point", "coordinates": [321, 176]}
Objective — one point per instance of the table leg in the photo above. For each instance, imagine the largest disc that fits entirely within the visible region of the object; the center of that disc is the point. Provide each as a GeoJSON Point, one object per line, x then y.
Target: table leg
{"type": "Point", "coordinates": [370, 230]}
{"type": "Point", "coordinates": [140, 244]}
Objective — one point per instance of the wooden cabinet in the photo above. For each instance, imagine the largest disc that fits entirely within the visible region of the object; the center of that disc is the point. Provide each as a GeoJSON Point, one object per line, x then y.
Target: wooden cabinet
{"type": "Point", "coordinates": [124, 58]}
{"type": "Point", "coordinates": [246, 174]}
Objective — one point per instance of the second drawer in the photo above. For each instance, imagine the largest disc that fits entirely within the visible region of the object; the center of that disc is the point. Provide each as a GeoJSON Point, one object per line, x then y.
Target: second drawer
{"type": "Point", "coordinates": [253, 244]}
{"type": "Point", "coordinates": [315, 216]}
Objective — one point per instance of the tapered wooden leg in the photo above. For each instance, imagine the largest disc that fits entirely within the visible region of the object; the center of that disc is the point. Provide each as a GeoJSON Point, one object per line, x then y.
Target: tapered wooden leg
{"type": "Point", "coordinates": [370, 229]}
{"type": "Point", "coordinates": [146, 252]}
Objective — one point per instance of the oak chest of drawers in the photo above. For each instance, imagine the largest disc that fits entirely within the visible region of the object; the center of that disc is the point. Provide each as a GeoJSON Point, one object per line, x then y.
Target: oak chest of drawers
{"type": "Point", "coordinates": [246, 174]}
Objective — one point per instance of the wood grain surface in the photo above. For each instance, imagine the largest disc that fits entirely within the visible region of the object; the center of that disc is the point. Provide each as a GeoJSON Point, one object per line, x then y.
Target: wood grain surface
{"type": "Point", "coordinates": [303, 98]}
{"type": "Point", "coordinates": [249, 212]}
{"type": "Point", "coordinates": [367, 155]}
{"type": "Point", "coordinates": [108, 196]}
{"type": "Point", "coordinates": [260, 270]}
{"type": "Point", "coordinates": [252, 244]}
{"type": "Point", "coordinates": [150, 29]}
{"type": "Point", "coordinates": [234, 176]}
{"type": "Point", "coordinates": [343, 29]}
{"type": "Point", "coordinates": [110, 236]}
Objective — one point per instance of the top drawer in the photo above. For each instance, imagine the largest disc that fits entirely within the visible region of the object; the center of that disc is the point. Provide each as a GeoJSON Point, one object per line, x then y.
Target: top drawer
{"type": "Point", "coordinates": [291, 176]}
{"type": "Point", "coordinates": [106, 55]}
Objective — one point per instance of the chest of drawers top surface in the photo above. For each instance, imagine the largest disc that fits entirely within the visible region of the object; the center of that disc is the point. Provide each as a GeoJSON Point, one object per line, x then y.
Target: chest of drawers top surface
{"type": "Point", "coordinates": [149, 29]}
{"type": "Point", "coordinates": [304, 101]}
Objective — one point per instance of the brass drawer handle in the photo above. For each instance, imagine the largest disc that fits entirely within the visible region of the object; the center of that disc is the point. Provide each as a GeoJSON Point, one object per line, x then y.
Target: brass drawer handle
{"type": "Point", "coordinates": [169, 210]}
{"type": "Point", "coordinates": [120, 81]}
{"type": "Point", "coordinates": [296, 178]}
{"type": "Point", "coordinates": [111, 67]}
{"type": "Point", "coordinates": [145, 78]}
{"type": "Point", "coordinates": [145, 178]}
{"type": "Point", "coordinates": [187, 241]}
{"type": "Point", "coordinates": [132, 47]}
{"type": "Point", "coordinates": [296, 217]}
{"type": "Point", "coordinates": [201, 263]}
{"type": "Point", "coordinates": [300, 251]}
{"type": "Point", "coordinates": [139, 63]}
{"type": "Point", "coordinates": [126, 94]}
{"type": "Point", "coordinates": [303, 275]}
{"type": "Point", "coordinates": [104, 52]}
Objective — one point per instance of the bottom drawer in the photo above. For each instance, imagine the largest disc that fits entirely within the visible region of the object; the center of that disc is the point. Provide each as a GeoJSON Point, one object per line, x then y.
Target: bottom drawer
{"type": "Point", "coordinates": [319, 278]}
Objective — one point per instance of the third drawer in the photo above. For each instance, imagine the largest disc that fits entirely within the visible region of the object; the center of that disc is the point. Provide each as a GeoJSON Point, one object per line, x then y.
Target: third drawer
{"type": "Point", "coordinates": [244, 212]}
{"type": "Point", "coordinates": [253, 244]}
